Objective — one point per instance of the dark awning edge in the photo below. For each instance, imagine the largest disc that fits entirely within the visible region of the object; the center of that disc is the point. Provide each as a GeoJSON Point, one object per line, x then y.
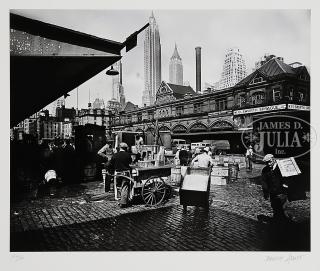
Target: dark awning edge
{"type": "Point", "coordinates": [62, 34]}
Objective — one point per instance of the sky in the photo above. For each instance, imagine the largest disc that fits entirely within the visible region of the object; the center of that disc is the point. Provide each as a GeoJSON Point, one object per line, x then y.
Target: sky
{"type": "Point", "coordinates": [284, 33]}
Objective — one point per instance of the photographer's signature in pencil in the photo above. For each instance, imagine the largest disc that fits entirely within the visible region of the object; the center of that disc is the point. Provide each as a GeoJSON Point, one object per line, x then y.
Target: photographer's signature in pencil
{"type": "Point", "coordinates": [17, 257]}
{"type": "Point", "coordinates": [287, 258]}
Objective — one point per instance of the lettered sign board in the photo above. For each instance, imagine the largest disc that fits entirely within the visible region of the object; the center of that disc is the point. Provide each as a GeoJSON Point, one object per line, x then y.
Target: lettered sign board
{"type": "Point", "coordinates": [288, 167]}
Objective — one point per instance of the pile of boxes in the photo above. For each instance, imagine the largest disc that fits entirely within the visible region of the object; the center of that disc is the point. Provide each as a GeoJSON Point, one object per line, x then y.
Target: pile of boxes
{"type": "Point", "coordinates": [225, 168]}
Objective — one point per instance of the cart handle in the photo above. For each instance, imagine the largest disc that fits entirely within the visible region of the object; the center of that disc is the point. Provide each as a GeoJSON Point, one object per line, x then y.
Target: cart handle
{"type": "Point", "coordinates": [120, 175]}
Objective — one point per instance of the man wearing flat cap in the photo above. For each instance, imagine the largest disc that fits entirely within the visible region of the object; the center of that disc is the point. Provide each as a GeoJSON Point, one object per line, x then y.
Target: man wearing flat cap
{"type": "Point", "coordinates": [273, 187]}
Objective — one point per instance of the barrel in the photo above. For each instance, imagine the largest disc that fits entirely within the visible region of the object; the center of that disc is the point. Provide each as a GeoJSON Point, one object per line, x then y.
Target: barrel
{"type": "Point", "coordinates": [89, 172]}
{"type": "Point", "coordinates": [176, 176]}
{"type": "Point", "coordinates": [233, 171]}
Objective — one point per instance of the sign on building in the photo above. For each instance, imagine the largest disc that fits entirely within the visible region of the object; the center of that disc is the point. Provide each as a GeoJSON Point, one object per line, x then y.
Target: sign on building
{"type": "Point", "coordinates": [299, 107]}
{"type": "Point", "coordinates": [260, 109]}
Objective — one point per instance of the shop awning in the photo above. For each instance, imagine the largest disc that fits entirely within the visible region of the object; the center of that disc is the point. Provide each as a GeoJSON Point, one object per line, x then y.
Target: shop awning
{"type": "Point", "coordinates": [48, 61]}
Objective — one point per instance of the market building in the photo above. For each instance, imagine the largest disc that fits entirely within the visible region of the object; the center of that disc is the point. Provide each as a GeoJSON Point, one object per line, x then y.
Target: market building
{"type": "Point", "coordinates": [223, 114]}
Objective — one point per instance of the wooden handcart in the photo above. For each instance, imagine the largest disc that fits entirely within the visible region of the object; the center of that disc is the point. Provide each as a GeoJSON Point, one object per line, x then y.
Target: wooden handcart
{"type": "Point", "coordinates": [148, 183]}
{"type": "Point", "coordinates": [195, 187]}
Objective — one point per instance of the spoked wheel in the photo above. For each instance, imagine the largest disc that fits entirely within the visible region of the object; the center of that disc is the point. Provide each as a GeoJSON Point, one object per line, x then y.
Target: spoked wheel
{"type": "Point", "coordinates": [153, 191]}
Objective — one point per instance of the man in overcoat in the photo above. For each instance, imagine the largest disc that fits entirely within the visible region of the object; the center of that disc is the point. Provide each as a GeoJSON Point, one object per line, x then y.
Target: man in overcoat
{"type": "Point", "coordinates": [274, 187]}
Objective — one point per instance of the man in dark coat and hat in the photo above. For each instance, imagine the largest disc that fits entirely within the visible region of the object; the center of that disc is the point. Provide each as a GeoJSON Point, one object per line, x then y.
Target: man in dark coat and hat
{"type": "Point", "coordinates": [274, 187]}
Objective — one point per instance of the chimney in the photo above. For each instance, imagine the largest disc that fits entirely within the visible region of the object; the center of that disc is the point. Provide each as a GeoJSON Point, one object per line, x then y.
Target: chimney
{"type": "Point", "coordinates": [198, 69]}
{"type": "Point", "coordinates": [120, 68]}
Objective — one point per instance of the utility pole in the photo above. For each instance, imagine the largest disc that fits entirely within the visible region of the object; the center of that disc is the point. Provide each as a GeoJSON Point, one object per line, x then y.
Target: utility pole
{"type": "Point", "coordinates": [77, 101]}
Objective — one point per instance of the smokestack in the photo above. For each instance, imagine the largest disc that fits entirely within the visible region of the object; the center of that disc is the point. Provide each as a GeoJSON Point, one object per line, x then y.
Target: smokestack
{"type": "Point", "coordinates": [198, 69]}
{"type": "Point", "coordinates": [120, 67]}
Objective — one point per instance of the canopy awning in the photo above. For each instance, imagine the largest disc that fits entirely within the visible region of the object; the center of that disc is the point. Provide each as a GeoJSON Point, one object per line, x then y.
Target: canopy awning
{"type": "Point", "coordinates": [48, 61]}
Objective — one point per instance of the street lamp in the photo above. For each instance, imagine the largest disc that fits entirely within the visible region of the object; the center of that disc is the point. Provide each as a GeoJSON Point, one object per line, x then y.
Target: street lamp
{"type": "Point", "coordinates": [112, 71]}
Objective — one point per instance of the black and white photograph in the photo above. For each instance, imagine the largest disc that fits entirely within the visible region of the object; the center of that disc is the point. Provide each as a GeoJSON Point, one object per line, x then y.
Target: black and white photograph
{"type": "Point", "coordinates": [161, 130]}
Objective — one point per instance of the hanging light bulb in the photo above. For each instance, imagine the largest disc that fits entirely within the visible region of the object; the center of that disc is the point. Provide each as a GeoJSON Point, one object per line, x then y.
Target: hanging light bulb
{"type": "Point", "coordinates": [112, 71]}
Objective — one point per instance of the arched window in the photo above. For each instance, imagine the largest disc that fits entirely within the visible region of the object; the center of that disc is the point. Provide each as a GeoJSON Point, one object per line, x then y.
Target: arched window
{"type": "Point", "coordinates": [179, 129]}
{"type": "Point", "coordinates": [198, 127]}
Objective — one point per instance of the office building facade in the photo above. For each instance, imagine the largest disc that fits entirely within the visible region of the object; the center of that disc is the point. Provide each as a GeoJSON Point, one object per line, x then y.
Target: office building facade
{"type": "Point", "coordinates": [152, 62]}
{"type": "Point", "coordinates": [234, 69]}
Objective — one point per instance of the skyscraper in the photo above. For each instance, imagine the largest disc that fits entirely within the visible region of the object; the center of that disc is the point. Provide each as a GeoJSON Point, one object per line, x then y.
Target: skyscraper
{"type": "Point", "coordinates": [117, 87]}
{"type": "Point", "coordinates": [234, 68]}
{"type": "Point", "coordinates": [152, 62]}
{"type": "Point", "coordinates": [176, 68]}
{"type": "Point", "coordinates": [60, 102]}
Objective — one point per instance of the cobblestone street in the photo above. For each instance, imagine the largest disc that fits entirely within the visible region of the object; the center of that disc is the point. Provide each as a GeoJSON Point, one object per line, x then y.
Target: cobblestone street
{"type": "Point", "coordinates": [67, 222]}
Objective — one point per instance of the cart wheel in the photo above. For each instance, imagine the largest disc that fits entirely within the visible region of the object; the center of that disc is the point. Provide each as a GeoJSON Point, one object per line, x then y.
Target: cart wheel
{"type": "Point", "coordinates": [153, 191]}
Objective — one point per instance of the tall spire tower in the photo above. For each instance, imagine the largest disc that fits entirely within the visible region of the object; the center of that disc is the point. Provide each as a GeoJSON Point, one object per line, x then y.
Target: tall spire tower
{"type": "Point", "coordinates": [152, 62]}
{"type": "Point", "coordinates": [176, 68]}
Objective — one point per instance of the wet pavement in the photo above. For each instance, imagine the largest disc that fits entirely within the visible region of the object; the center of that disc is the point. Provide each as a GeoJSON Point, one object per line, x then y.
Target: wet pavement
{"type": "Point", "coordinates": [68, 222]}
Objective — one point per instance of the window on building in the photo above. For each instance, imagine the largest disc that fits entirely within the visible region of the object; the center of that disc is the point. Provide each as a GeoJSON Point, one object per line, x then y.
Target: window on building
{"type": "Point", "coordinates": [276, 95]}
{"type": "Point", "coordinates": [257, 98]}
{"type": "Point", "coordinates": [241, 100]}
{"type": "Point", "coordinates": [301, 96]}
{"type": "Point", "coordinates": [257, 80]}
{"type": "Point", "coordinates": [150, 115]}
{"type": "Point", "coordinates": [197, 108]}
{"type": "Point", "coordinates": [290, 96]}
{"type": "Point", "coordinates": [221, 104]}
{"type": "Point", "coordinates": [139, 117]}
{"type": "Point", "coordinates": [179, 110]}
{"type": "Point", "coordinates": [129, 118]}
